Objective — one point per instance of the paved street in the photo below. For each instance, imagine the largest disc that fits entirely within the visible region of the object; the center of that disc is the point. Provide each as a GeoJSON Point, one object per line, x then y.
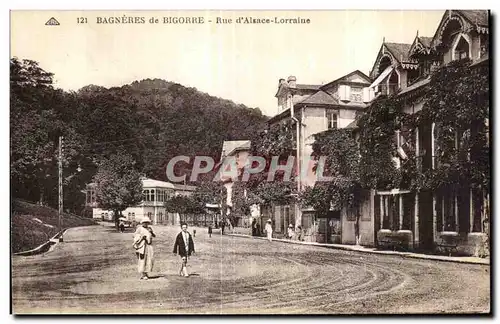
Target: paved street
{"type": "Point", "coordinates": [94, 271]}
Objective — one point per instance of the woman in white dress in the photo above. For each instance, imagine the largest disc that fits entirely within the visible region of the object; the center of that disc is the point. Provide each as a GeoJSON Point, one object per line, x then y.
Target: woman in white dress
{"type": "Point", "coordinates": [143, 238]}
{"type": "Point", "coordinates": [269, 230]}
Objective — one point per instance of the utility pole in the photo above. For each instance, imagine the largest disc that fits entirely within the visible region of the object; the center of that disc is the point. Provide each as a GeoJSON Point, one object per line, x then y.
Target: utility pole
{"type": "Point", "coordinates": [60, 164]}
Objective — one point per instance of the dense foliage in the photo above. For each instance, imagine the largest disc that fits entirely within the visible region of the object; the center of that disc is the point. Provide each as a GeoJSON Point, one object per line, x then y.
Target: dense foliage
{"type": "Point", "coordinates": [118, 184]}
{"type": "Point", "coordinates": [152, 120]}
{"type": "Point", "coordinates": [342, 164]}
{"type": "Point", "coordinates": [458, 102]}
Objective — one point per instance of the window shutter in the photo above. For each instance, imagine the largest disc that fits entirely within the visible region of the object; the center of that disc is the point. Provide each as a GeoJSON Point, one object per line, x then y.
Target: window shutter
{"type": "Point", "coordinates": [342, 92]}
{"type": "Point", "coordinates": [347, 93]}
{"type": "Point", "coordinates": [366, 94]}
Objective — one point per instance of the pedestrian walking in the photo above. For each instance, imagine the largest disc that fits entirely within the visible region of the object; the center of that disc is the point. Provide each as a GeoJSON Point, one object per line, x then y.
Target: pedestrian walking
{"type": "Point", "coordinates": [210, 230]}
{"type": "Point", "coordinates": [254, 227]}
{"type": "Point", "coordinates": [122, 226]}
{"type": "Point", "coordinates": [184, 246]}
{"type": "Point", "coordinates": [269, 230]}
{"type": "Point", "coordinates": [143, 239]}
{"type": "Point", "coordinates": [299, 233]}
{"type": "Point", "coordinates": [222, 225]}
{"type": "Point", "coordinates": [290, 231]}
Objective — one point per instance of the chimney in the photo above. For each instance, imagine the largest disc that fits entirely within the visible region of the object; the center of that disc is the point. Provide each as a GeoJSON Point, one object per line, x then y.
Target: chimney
{"type": "Point", "coordinates": [292, 81]}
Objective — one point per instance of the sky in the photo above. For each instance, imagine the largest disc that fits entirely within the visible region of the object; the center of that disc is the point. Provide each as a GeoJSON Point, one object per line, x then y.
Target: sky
{"type": "Point", "coordinates": [239, 62]}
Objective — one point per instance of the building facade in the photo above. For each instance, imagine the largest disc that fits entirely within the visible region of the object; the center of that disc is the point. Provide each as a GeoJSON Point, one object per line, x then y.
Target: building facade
{"type": "Point", "coordinates": [430, 219]}
{"type": "Point", "coordinates": [155, 194]}
{"type": "Point", "coordinates": [315, 109]}
{"type": "Point", "coordinates": [424, 219]}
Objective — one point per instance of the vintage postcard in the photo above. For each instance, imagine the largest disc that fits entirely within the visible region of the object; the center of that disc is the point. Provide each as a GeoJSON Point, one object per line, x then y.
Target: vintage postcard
{"type": "Point", "coordinates": [250, 162]}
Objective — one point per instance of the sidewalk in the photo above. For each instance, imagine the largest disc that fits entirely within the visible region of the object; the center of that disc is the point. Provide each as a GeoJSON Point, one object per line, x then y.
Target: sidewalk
{"type": "Point", "coordinates": [358, 248]}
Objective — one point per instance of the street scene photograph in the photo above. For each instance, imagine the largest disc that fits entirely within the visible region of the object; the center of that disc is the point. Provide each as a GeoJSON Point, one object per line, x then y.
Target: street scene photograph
{"type": "Point", "coordinates": [328, 162]}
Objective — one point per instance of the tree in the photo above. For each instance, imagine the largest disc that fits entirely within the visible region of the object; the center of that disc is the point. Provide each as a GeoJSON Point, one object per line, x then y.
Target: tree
{"type": "Point", "coordinates": [118, 184]}
{"type": "Point", "coordinates": [342, 165]}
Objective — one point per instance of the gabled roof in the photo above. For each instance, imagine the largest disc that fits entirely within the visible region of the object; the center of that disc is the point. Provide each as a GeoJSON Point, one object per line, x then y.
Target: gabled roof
{"type": "Point", "coordinates": [473, 17]}
{"type": "Point", "coordinates": [399, 51]}
{"type": "Point", "coordinates": [477, 17]}
{"type": "Point", "coordinates": [230, 147]}
{"type": "Point", "coordinates": [420, 43]}
{"type": "Point", "coordinates": [426, 41]}
{"type": "Point", "coordinates": [319, 98]}
{"type": "Point", "coordinates": [346, 78]}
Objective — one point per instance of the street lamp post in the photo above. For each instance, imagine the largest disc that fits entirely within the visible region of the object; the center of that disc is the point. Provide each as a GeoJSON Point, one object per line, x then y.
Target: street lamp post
{"type": "Point", "coordinates": [60, 185]}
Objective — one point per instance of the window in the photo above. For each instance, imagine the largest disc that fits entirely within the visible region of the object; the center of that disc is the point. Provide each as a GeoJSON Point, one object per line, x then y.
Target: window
{"type": "Point", "coordinates": [331, 119]}
{"type": "Point", "coordinates": [146, 195]}
{"type": "Point", "coordinates": [91, 196]}
{"type": "Point", "coordinates": [159, 195]}
{"type": "Point", "coordinates": [152, 195]}
{"type": "Point", "coordinates": [356, 94]}
{"type": "Point", "coordinates": [462, 49]}
{"type": "Point", "coordinates": [485, 45]}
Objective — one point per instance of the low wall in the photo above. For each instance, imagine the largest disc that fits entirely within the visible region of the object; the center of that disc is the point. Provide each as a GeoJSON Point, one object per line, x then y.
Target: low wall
{"type": "Point", "coordinates": [468, 244]}
{"type": "Point", "coordinates": [406, 236]}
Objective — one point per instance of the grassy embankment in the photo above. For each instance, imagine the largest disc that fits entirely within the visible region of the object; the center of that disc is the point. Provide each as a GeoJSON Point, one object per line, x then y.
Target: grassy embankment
{"type": "Point", "coordinates": [32, 225]}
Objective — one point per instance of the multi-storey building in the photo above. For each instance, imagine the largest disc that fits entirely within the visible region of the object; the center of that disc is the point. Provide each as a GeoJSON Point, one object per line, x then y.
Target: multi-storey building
{"type": "Point", "coordinates": [155, 194]}
{"type": "Point", "coordinates": [403, 70]}
{"type": "Point", "coordinates": [428, 218]}
{"type": "Point", "coordinates": [314, 109]}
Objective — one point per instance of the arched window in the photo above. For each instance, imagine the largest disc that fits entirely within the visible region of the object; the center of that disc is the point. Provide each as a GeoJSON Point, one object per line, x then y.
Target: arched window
{"type": "Point", "coordinates": [146, 195]}
{"type": "Point", "coordinates": [384, 63]}
{"type": "Point", "coordinates": [461, 50]}
{"type": "Point", "coordinates": [393, 83]}
{"type": "Point", "coordinates": [152, 195]}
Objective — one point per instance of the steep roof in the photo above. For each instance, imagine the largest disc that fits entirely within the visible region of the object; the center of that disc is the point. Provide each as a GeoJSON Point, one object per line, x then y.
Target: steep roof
{"type": "Point", "coordinates": [399, 50]}
{"type": "Point", "coordinates": [319, 98]}
{"type": "Point", "coordinates": [426, 41]}
{"type": "Point", "coordinates": [479, 17]}
{"type": "Point", "coordinates": [346, 78]}
{"type": "Point", "coordinates": [473, 17]}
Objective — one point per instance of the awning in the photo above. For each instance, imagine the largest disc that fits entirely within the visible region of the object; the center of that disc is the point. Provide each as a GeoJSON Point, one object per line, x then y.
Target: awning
{"type": "Point", "coordinates": [382, 76]}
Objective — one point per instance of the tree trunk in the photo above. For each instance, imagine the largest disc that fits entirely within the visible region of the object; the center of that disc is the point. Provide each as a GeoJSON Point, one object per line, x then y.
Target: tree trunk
{"type": "Point", "coordinates": [356, 229]}
{"type": "Point", "coordinates": [116, 215]}
{"type": "Point", "coordinates": [41, 196]}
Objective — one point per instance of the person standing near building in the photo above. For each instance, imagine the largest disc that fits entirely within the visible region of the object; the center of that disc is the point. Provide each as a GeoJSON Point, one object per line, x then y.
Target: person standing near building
{"type": "Point", "coordinates": [269, 230]}
{"type": "Point", "coordinates": [222, 225]}
{"type": "Point", "coordinates": [143, 239]}
{"type": "Point", "coordinates": [184, 246]}
{"type": "Point", "coordinates": [209, 230]}
{"type": "Point", "coordinates": [290, 231]}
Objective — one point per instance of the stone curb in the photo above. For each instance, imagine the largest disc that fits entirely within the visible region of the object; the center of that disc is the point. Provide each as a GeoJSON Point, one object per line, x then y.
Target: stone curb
{"type": "Point", "coordinates": [367, 250]}
{"type": "Point", "coordinates": [42, 248]}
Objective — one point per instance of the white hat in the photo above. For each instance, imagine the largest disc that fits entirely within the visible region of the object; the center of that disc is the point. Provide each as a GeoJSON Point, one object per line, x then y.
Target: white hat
{"type": "Point", "coordinates": [269, 220]}
{"type": "Point", "coordinates": [290, 225]}
{"type": "Point", "coordinates": [145, 220]}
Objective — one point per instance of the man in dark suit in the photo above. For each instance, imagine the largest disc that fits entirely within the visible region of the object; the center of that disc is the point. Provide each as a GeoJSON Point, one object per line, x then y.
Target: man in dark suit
{"type": "Point", "coordinates": [184, 246]}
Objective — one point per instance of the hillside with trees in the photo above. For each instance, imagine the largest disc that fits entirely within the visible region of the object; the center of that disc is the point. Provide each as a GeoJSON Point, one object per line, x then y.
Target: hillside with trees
{"type": "Point", "coordinates": [149, 120]}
